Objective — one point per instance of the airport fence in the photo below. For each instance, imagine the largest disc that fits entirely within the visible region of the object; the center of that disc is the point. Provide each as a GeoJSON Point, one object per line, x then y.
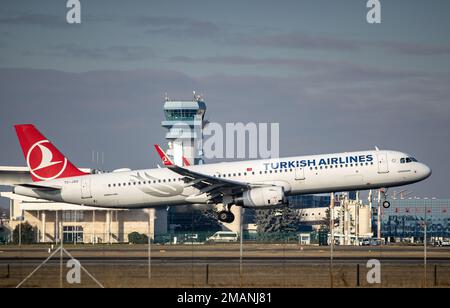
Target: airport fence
{"type": "Point", "coordinates": [174, 238]}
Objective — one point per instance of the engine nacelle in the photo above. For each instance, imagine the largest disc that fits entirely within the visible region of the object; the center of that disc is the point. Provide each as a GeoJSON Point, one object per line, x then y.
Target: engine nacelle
{"type": "Point", "coordinates": [262, 197]}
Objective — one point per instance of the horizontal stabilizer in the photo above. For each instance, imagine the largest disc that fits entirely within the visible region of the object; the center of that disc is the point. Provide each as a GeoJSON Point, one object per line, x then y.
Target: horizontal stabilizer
{"type": "Point", "coordinates": [41, 187]}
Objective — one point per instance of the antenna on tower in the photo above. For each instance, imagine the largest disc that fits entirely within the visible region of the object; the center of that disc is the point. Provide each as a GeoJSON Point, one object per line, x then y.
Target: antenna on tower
{"type": "Point", "coordinates": [166, 97]}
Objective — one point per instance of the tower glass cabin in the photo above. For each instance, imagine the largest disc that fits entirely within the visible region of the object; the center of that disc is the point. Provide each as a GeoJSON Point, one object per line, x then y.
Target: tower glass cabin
{"type": "Point", "coordinates": [184, 121]}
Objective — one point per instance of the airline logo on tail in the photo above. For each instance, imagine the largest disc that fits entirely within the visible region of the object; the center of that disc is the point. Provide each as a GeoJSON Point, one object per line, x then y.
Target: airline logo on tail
{"type": "Point", "coordinates": [166, 160]}
{"type": "Point", "coordinates": [42, 157]}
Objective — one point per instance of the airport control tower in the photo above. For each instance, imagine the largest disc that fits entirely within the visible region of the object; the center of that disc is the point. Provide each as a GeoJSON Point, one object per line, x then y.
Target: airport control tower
{"type": "Point", "coordinates": [185, 122]}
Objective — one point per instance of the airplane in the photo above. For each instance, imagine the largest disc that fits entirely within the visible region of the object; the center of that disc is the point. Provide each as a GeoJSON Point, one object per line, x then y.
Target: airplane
{"type": "Point", "coordinates": [166, 159]}
{"type": "Point", "coordinates": [260, 184]}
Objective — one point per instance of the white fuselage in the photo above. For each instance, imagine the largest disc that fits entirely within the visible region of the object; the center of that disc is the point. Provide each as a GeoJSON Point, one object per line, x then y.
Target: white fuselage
{"type": "Point", "coordinates": [298, 175]}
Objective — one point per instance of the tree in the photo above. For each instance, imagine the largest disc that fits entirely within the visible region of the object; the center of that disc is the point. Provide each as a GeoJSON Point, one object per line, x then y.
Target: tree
{"type": "Point", "coordinates": [276, 224]}
{"type": "Point", "coordinates": [28, 234]}
{"type": "Point", "coordinates": [137, 238]}
{"type": "Point", "coordinates": [201, 221]}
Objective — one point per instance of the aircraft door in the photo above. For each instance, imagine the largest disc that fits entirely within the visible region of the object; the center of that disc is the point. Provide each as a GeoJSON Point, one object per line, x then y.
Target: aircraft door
{"type": "Point", "coordinates": [86, 188]}
{"type": "Point", "coordinates": [382, 163]}
{"type": "Point", "coordinates": [300, 173]}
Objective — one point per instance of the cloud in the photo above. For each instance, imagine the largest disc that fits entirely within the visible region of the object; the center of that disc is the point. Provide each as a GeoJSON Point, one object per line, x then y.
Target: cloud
{"type": "Point", "coordinates": [176, 26]}
{"type": "Point", "coordinates": [299, 40]}
{"type": "Point", "coordinates": [317, 70]}
{"type": "Point", "coordinates": [414, 49]}
{"type": "Point", "coordinates": [123, 53]}
{"type": "Point", "coordinates": [42, 20]}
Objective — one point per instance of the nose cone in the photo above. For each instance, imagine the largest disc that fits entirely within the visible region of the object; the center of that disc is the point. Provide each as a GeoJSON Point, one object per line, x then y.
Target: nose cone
{"type": "Point", "coordinates": [424, 171]}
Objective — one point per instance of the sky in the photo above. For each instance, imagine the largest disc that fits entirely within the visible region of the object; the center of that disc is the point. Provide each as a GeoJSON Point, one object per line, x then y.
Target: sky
{"type": "Point", "coordinates": [334, 82]}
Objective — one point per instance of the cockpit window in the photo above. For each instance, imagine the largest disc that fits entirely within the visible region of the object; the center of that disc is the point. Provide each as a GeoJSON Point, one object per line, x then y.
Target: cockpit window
{"type": "Point", "coordinates": [406, 160]}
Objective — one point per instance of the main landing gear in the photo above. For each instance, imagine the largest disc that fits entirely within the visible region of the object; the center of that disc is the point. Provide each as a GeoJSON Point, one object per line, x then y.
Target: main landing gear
{"type": "Point", "coordinates": [386, 204]}
{"type": "Point", "coordinates": [225, 215]}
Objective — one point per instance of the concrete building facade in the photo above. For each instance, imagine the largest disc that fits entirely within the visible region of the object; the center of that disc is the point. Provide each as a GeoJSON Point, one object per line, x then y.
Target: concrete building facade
{"type": "Point", "coordinates": [79, 224]}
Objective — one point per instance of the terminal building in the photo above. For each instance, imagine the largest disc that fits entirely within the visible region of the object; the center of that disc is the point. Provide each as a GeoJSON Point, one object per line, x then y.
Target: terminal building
{"type": "Point", "coordinates": [405, 219]}
{"type": "Point", "coordinates": [53, 221]}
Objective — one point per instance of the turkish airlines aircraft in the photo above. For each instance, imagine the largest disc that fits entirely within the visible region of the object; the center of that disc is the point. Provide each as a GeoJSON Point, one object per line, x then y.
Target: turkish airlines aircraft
{"type": "Point", "coordinates": [256, 183]}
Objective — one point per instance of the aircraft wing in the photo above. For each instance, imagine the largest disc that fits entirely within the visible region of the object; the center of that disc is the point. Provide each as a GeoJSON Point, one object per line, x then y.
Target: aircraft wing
{"type": "Point", "coordinates": [211, 185]}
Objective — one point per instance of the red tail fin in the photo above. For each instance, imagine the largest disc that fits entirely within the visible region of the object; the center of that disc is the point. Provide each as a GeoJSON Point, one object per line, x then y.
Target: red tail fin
{"type": "Point", "coordinates": [185, 162]}
{"type": "Point", "coordinates": [165, 159]}
{"type": "Point", "coordinates": [42, 157]}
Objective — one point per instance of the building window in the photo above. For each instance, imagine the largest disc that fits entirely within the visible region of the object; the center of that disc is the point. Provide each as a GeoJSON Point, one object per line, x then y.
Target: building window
{"type": "Point", "coordinates": [73, 234]}
{"type": "Point", "coordinates": [73, 216]}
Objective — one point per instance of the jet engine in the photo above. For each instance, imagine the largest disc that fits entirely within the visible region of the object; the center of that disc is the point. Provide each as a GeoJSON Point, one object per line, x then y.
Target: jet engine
{"type": "Point", "coordinates": [262, 197]}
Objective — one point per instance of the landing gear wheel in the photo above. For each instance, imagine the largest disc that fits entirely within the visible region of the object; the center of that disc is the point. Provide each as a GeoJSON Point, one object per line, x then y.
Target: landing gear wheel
{"type": "Point", "coordinates": [386, 204]}
{"type": "Point", "coordinates": [226, 217]}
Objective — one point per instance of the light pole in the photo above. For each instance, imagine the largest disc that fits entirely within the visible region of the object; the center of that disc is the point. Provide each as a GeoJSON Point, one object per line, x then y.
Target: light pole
{"type": "Point", "coordinates": [425, 249]}
{"type": "Point", "coordinates": [332, 237]}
